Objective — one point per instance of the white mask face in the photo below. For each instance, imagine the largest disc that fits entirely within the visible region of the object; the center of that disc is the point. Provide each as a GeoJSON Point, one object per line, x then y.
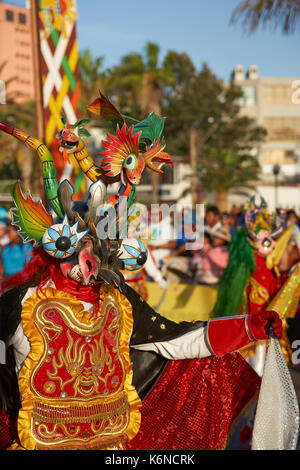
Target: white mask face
{"type": "Point", "coordinates": [264, 243]}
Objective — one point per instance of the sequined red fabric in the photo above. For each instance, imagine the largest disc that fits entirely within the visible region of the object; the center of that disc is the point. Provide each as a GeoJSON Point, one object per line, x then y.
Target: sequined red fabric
{"type": "Point", "coordinates": [8, 430]}
{"type": "Point", "coordinates": [194, 404]}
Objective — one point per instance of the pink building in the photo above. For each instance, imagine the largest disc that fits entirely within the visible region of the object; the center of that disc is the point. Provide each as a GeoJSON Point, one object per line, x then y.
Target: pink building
{"type": "Point", "coordinates": [16, 52]}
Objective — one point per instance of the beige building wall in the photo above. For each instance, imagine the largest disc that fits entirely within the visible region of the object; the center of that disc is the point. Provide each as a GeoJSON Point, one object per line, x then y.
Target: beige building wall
{"type": "Point", "coordinates": [273, 103]}
{"type": "Point", "coordinates": [16, 52]}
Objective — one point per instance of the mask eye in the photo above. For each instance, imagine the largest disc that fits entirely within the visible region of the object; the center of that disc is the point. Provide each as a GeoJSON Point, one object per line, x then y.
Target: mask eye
{"type": "Point", "coordinates": [133, 253]}
{"type": "Point", "coordinates": [130, 162]}
{"type": "Point", "coordinates": [266, 243]}
{"type": "Point", "coordinates": [61, 240]}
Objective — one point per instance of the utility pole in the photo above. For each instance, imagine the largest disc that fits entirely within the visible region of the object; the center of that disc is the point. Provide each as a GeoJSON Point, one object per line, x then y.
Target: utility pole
{"type": "Point", "coordinates": [197, 141]}
{"type": "Point", "coordinates": [193, 163]}
{"type": "Point", "coordinates": [38, 86]}
{"type": "Point", "coordinates": [276, 170]}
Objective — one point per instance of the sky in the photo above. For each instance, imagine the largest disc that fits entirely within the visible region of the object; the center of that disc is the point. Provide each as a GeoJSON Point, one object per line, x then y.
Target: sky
{"type": "Point", "coordinates": [201, 28]}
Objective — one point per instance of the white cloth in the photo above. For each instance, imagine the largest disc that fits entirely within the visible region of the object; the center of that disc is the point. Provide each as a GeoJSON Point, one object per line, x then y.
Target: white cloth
{"type": "Point", "coordinates": [21, 347]}
{"type": "Point", "coordinates": [277, 416]}
{"type": "Point", "coordinates": [214, 228]}
{"type": "Point", "coordinates": [257, 361]}
{"type": "Point", "coordinates": [153, 272]}
{"type": "Point", "coordinates": [191, 345]}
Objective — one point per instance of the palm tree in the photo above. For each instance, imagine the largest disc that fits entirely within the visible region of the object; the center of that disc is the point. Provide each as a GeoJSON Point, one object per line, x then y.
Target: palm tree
{"type": "Point", "coordinates": [283, 13]}
{"type": "Point", "coordinates": [136, 85]}
{"type": "Point", "coordinates": [228, 171]}
{"type": "Point", "coordinates": [150, 97]}
{"type": "Point", "coordinates": [204, 124]}
{"type": "Point", "coordinates": [90, 77]}
{"type": "Point", "coordinates": [16, 160]}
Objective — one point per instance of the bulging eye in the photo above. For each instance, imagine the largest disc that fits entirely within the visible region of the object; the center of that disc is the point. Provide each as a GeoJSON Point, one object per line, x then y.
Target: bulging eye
{"type": "Point", "coordinates": [266, 243]}
{"type": "Point", "coordinates": [133, 253]}
{"type": "Point", "coordinates": [61, 240]}
{"type": "Point", "coordinates": [130, 162]}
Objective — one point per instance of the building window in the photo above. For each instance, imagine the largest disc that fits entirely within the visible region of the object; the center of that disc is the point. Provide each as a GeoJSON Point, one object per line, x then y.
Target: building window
{"type": "Point", "coordinates": [22, 18]}
{"type": "Point", "coordinates": [9, 15]}
{"type": "Point", "coordinates": [249, 95]}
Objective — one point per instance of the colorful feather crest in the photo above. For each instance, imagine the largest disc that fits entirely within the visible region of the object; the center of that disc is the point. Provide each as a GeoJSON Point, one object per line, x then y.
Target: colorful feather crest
{"type": "Point", "coordinates": [118, 149]}
{"type": "Point", "coordinates": [155, 153]}
{"type": "Point", "coordinates": [31, 217]}
{"type": "Point", "coordinates": [151, 128]}
{"type": "Point", "coordinates": [124, 144]}
{"type": "Point", "coordinates": [102, 106]}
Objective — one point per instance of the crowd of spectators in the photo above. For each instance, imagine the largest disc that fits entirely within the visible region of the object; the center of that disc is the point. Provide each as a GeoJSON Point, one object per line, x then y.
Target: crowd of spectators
{"type": "Point", "coordinates": [203, 261]}
{"type": "Point", "coordinates": [14, 253]}
{"type": "Point", "coordinates": [181, 260]}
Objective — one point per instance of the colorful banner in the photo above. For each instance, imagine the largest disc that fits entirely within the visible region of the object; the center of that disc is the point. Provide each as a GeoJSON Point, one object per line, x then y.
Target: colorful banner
{"type": "Point", "coordinates": [60, 76]}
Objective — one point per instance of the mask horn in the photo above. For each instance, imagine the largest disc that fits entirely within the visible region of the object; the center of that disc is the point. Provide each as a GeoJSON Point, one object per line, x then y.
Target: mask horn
{"type": "Point", "coordinates": [248, 220]}
{"type": "Point", "coordinates": [280, 225]}
{"type": "Point", "coordinates": [66, 192]}
{"type": "Point", "coordinates": [97, 193]}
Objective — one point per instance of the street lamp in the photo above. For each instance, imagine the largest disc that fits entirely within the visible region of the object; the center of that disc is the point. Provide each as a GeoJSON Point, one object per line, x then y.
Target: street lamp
{"type": "Point", "coordinates": [197, 141]}
{"type": "Point", "coordinates": [276, 170]}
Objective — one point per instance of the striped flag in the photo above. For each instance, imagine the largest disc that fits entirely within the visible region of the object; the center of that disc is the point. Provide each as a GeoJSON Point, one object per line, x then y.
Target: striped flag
{"type": "Point", "coordinates": [59, 59]}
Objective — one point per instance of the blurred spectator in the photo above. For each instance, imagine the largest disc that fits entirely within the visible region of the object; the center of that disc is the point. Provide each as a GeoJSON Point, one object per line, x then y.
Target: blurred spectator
{"type": "Point", "coordinates": [198, 250]}
{"type": "Point", "coordinates": [4, 239]}
{"type": "Point", "coordinates": [229, 221]}
{"type": "Point", "coordinates": [15, 254]}
{"type": "Point", "coordinates": [292, 219]}
{"type": "Point", "coordinates": [215, 257]}
{"type": "Point", "coordinates": [212, 217]}
{"type": "Point", "coordinates": [3, 215]}
{"type": "Point", "coordinates": [186, 235]}
{"type": "Point", "coordinates": [160, 236]}
{"type": "Point", "coordinates": [177, 266]}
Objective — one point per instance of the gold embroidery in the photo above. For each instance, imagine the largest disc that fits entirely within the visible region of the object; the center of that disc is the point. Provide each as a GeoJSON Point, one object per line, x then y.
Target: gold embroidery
{"type": "Point", "coordinates": [258, 294]}
{"type": "Point", "coordinates": [83, 414]}
{"type": "Point", "coordinates": [74, 432]}
{"type": "Point", "coordinates": [43, 431]}
{"type": "Point", "coordinates": [49, 387]}
{"type": "Point", "coordinates": [72, 356]}
{"type": "Point", "coordinates": [244, 310]}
